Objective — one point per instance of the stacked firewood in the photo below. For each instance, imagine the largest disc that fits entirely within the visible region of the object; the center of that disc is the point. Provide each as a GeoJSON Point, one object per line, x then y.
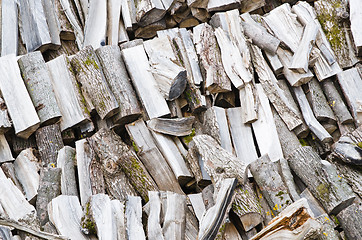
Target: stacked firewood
{"type": "Point", "coordinates": [242, 119]}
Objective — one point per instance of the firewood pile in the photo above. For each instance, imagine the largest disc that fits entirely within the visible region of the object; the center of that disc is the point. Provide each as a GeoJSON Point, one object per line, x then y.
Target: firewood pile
{"type": "Point", "coordinates": [181, 119]}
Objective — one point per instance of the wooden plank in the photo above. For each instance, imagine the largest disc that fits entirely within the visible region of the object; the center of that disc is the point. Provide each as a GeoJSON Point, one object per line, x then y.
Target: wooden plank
{"type": "Point", "coordinates": [176, 126]}
{"type": "Point", "coordinates": [17, 99]}
{"type": "Point", "coordinates": [113, 21]}
{"type": "Point", "coordinates": [134, 218]}
{"type": "Point", "coordinates": [66, 160]}
{"type": "Point", "coordinates": [95, 28]}
{"type": "Point", "coordinates": [356, 21]}
{"type": "Point", "coordinates": [139, 69]}
{"type": "Point", "coordinates": [119, 217]}
{"type": "Point", "coordinates": [9, 27]}
{"type": "Point", "coordinates": [174, 219]}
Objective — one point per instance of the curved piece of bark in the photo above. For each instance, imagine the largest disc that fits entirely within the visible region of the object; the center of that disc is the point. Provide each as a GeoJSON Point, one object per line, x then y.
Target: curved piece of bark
{"type": "Point", "coordinates": [175, 126]}
{"type": "Point", "coordinates": [66, 161]}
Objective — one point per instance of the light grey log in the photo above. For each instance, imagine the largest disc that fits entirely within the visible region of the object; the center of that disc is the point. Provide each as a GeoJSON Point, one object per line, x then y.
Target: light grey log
{"type": "Point", "coordinates": [9, 171]}
{"type": "Point", "coordinates": [309, 118]}
{"type": "Point", "coordinates": [350, 219]}
{"type": "Point", "coordinates": [5, 122]}
{"type": "Point", "coordinates": [275, 63]}
{"type": "Point", "coordinates": [67, 92]}
{"type": "Point", "coordinates": [17, 99]}
{"type": "Point", "coordinates": [332, 192]}
{"type": "Point", "coordinates": [356, 21]}
{"type": "Point", "coordinates": [197, 204]}
{"type": "Point", "coordinates": [231, 232]}
{"type": "Point", "coordinates": [139, 69]}
{"type": "Point", "coordinates": [49, 188]}
{"type": "Point", "coordinates": [5, 151]}
{"type": "Point", "coordinates": [9, 27]}
{"type": "Point", "coordinates": [196, 165]}
{"type": "Point", "coordinates": [249, 102]}
{"type": "Point", "coordinates": [174, 222]}
{"type": "Point", "coordinates": [113, 20]}
{"type": "Point", "coordinates": [53, 23]}
{"type": "Point", "coordinates": [34, 29]}
{"type": "Point", "coordinates": [119, 82]}
{"type": "Point", "coordinates": [66, 160]}
{"type": "Point", "coordinates": [265, 130]}
{"type": "Point", "coordinates": [78, 30]}
{"type": "Point", "coordinates": [175, 126]}
{"type": "Point", "coordinates": [288, 179]}
{"type": "Point", "coordinates": [26, 168]}
{"type": "Point", "coordinates": [134, 218]}
{"type": "Point", "coordinates": [241, 135]}
{"type": "Point", "coordinates": [65, 213]}
{"type": "Point", "coordinates": [217, 5]}
{"type": "Point", "coordinates": [65, 28]}
{"type": "Point", "coordinates": [210, 56]}
{"type": "Point", "coordinates": [152, 158]}
{"type": "Point", "coordinates": [351, 84]}
{"type": "Point", "coordinates": [321, 109]}
{"type": "Point", "coordinates": [96, 24]}
{"type": "Point", "coordinates": [149, 11]}
{"type": "Point", "coordinates": [154, 230]}
{"type": "Point", "coordinates": [37, 81]}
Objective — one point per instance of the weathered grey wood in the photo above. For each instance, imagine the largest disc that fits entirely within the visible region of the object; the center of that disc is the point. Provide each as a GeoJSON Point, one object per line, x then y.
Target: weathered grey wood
{"type": "Point", "coordinates": [128, 14]}
{"type": "Point", "coordinates": [264, 129]}
{"type": "Point", "coordinates": [150, 31]}
{"type": "Point", "coordinates": [9, 171]}
{"type": "Point", "coordinates": [71, 15]}
{"type": "Point", "coordinates": [231, 232]}
{"type": "Point", "coordinates": [92, 80]}
{"type": "Point", "coordinates": [37, 81]}
{"type": "Point", "coordinates": [26, 168]}
{"type": "Point", "coordinates": [5, 122]}
{"type": "Point", "coordinates": [178, 86]}
{"type": "Point", "coordinates": [332, 192]}
{"type": "Point", "coordinates": [65, 213]}
{"type": "Point", "coordinates": [241, 135]}
{"type": "Point", "coordinates": [5, 151]}
{"type": "Point", "coordinates": [154, 230]}
{"type": "Point", "coordinates": [275, 63]}
{"type": "Point", "coordinates": [67, 92]}
{"type": "Point", "coordinates": [149, 11]}
{"type": "Point", "coordinates": [113, 151]}
{"type": "Point", "coordinates": [197, 204]}
{"type": "Point", "coordinates": [139, 69]}
{"type": "Point", "coordinates": [119, 218]}
{"type": "Point", "coordinates": [351, 84]}
{"type": "Point", "coordinates": [53, 23]}
{"type": "Point", "coordinates": [65, 28]}
{"type": "Point", "coordinates": [49, 141]}
{"type": "Point", "coordinates": [134, 218]}
{"type": "Point", "coordinates": [122, 32]}
{"type": "Point", "coordinates": [95, 28]}
{"type": "Point", "coordinates": [66, 160]}
{"type": "Point", "coordinates": [151, 157]}
{"type": "Point", "coordinates": [200, 14]}
{"type": "Point", "coordinates": [217, 5]}
{"type": "Point", "coordinates": [288, 179]}
{"type": "Point", "coordinates": [206, 47]}
{"type": "Point", "coordinates": [113, 20]}
{"type": "Point", "coordinates": [119, 82]}
{"type": "Point", "coordinates": [34, 29]}
{"type": "Point", "coordinates": [196, 165]}
{"type": "Point", "coordinates": [174, 222]}
{"type": "Point", "coordinates": [309, 117]}
{"type": "Point", "coordinates": [350, 219]}
{"type": "Point", "coordinates": [9, 27]}
{"type": "Point", "coordinates": [49, 188]}
{"type": "Point", "coordinates": [356, 21]}
{"type": "Point", "coordinates": [5, 233]}
{"type": "Point", "coordinates": [17, 99]}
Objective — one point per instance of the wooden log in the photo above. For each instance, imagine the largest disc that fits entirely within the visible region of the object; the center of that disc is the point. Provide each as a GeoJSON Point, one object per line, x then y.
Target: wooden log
{"type": "Point", "coordinates": [128, 14]}
{"type": "Point", "coordinates": [251, 5]}
{"type": "Point", "coordinates": [5, 122]}
{"type": "Point", "coordinates": [53, 23]}
{"type": "Point", "coordinates": [9, 27]}
{"type": "Point", "coordinates": [288, 179]}
{"type": "Point", "coordinates": [92, 80]}
{"type": "Point", "coordinates": [9, 171]}
{"type": "Point", "coordinates": [65, 28]}
{"type": "Point", "coordinates": [196, 165]}
{"type": "Point", "coordinates": [49, 188]}
{"type": "Point", "coordinates": [49, 141]}
{"type": "Point", "coordinates": [175, 126]}
{"type": "Point", "coordinates": [65, 213]}
{"type": "Point", "coordinates": [174, 222]}
{"type": "Point", "coordinates": [275, 63]}
{"type": "Point", "coordinates": [119, 82]}
{"type": "Point", "coordinates": [37, 81]}
{"type": "Point", "coordinates": [26, 168]}
{"type": "Point", "coordinates": [264, 129]}
{"type": "Point", "coordinates": [134, 218]}
{"type": "Point", "coordinates": [5, 233]}
{"type": "Point", "coordinates": [350, 81]}
{"type": "Point", "coordinates": [139, 69]}
{"type": "Point", "coordinates": [17, 99]}
{"type": "Point", "coordinates": [72, 17]}
{"type": "Point", "coordinates": [350, 219]}
{"type": "Point", "coordinates": [198, 205]}
{"type": "Point", "coordinates": [95, 28]}
{"type": "Point", "coordinates": [5, 151]}
{"type": "Point", "coordinates": [217, 5]}
{"type": "Point", "coordinates": [149, 11]}
{"type": "Point", "coordinates": [122, 32]}
{"type": "Point", "coordinates": [119, 218]}
{"type": "Point", "coordinates": [69, 98]}
{"type": "Point", "coordinates": [151, 157]}
{"type": "Point", "coordinates": [309, 117]}
{"type": "Point", "coordinates": [67, 48]}
{"type": "Point", "coordinates": [206, 47]}
{"type": "Point", "coordinates": [356, 20]}
{"type": "Point", "coordinates": [200, 14]}
{"type": "Point", "coordinates": [154, 230]}
{"type": "Point", "coordinates": [112, 151]}
{"type": "Point", "coordinates": [66, 160]}
{"type": "Point", "coordinates": [332, 192]}
{"type": "Point", "coordinates": [151, 30]}
{"type": "Point", "coordinates": [113, 20]}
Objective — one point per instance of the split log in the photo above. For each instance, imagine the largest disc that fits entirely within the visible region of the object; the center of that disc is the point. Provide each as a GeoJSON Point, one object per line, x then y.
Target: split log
{"type": "Point", "coordinates": [200, 14]}
{"type": "Point", "coordinates": [72, 17]}
{"type": "Point", "coordinates": [53, 23]}
{"type": "Point", "coordinates": [151, 157]}
{"type": "Point", "coordinates": [93, 82]}
{"type": "Point", "coordinates": [17, 99]}
{"type": "Point", "coordinates": [122, 32]}
{"type": "Point", "coordinates": [175, 127]}
{"type": "Point", "coordinates": [149, 11]}
{"type": "Point", "coordinates": [206, 47]}
{"type": "Point", "coordinates": [49, 141]}
{"type": "Point", "coordinates": [9, 171]}
{"type": "Point", "coordinates": [309, 118]}
{"type": "Point", "coordinates": [332, 192]}
{"type": "Point", "coordinates": [192, 226]}
{"type": "Point", "coordinates": [134, 218]}
{"type": "Point", "coordinates": [49, 188]}
{"type": "Point", "coordinates": [5, 151]}
{"type": "Point", "coordinates": [275, 63]}
{"type": "Point", "coordinates": [113, 152]}
{"type": "Point", "coordinates": [66, 161]}
{"type": "Point", "coordinates": [117, 77]}
{"type": "Point", "coordinates": [198, 205]}
{"type": "Point", "coordinates": [19, 144]}
{"type": "Point", "coordinates": [67, 92]}
{"type": "Point", "coordinates": [95, 27]}
{"type": "Point", "coordinates": [128, 14]}
{"type": "Point", "coordinates": [65, 28]}
{"type": "Point", "coordinates": [154, 230]}
{"type": "Point", "coordinates": [9, 27]}
{"type": "Point", "coordinates": [67, 48]}
{"type": "Point", "coordinates": [265, 130]}
{"type": "Point", "coordinates": [119, 218]}
{"type": "Point", "coordinates": [26, 168]}
{"type": "Point", "coordinates": [37, 81]}
{"type": "Point", "coordinates": [356, 21]}
{"type": "Point", "coordinates": [251, 5]}
{"type": "Point", "coordinates": [113, 20]}
{"type": "Point", "coordinates": [231, 233]}
{"type": "Point", "coordinates": [5, 233]}
{"type": "Point", "coordinates": [218, 6]}
{"type": "Point", "coordinates": [174, 222]}
{"type": "Point", "coordinates": [196, 165]}
{"type": "Point", "coordinates": [65, 213]}
{"type": "Point", "coordinates": [34, 29]}
{"type": "Point", "coordinates": [350, 219]}
{"type": "Point", "coordinates": [288, 179]}
{"type": "Point", "coordinates": [351, 84]}
{"type": "Point", "coordinates": [5, 122]}
{"type": "Point", "coordinates": [138, 67]}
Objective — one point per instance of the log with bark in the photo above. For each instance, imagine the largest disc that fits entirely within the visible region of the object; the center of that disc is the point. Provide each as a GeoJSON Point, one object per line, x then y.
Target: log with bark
{"type": "Point", "coordinates": [350, 219]}
{"type": "Point", "coordinates": [66, 161]}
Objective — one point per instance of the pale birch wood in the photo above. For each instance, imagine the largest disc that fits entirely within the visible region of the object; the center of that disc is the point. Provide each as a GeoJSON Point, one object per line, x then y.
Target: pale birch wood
{"type": "Point", "coordinates": [356, 21]}
{"type": "Point", "coordinates": [265, 130]}
{"type": "Point", "coordinates": [139, 69]}
{"type": "Point", "coordinates": [134, 218]}
{"type": "Point", "coordinates": [113, 20]}
{"type": "Point", "coordinates": [218, 5]}
{"type": "Point", "coordinates": [154, 230]}
{"type": "Point", "coordinates": [65, 28]}
{"type": "Point", "coordinates": [53, 23]}
{"type": "Point", "coordinates": [96, 24]}
{"type": "Point", "coordinates": [174, 222]}
{"type": "Point", "coordinates": [65, 213]}
{"type": "Point", "coordinates": [37, 81]}
{"type": "Point", "coordinates": [5, 233]}
{"type": "Point", "coordinates": [17, 99]}
{"type": "Point", "coordinates": [175, 126]}
{"type": "Point", "coordinates": [26, 168]}
{"type": "Point", "coordinates": [66, 160]}
{"type": "Point", "coordinates": [67, 93]}
{"type": "Point", "coordinates": [9, 27]}
{"type": "Point", "coordinates": [78, 30]}
{"type": "Point", "coordinates": [149, 11]}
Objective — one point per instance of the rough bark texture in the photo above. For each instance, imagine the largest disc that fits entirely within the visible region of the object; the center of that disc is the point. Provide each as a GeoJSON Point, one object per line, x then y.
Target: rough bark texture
{"type": "Point", "coordinates": [66, 161]}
